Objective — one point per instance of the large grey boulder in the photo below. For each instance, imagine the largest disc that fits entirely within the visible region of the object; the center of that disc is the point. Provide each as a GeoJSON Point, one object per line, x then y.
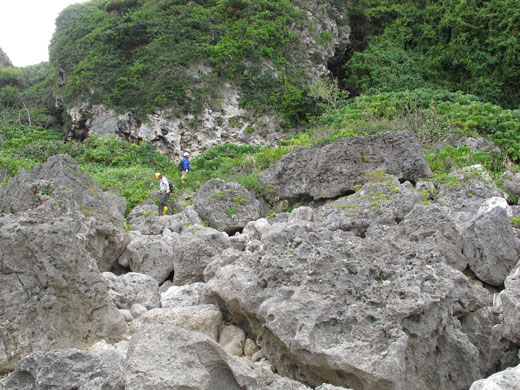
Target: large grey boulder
{"type": "Point", "coordinates": [464, 191]}
{"type": "Point", "coordinates": [334, 170]}
{"type": "Point", "coordinates": [511, 183]}
{"type": "Point", "coordinates": [226, 206]}
{"type": "Point", "coordinates": [145, 219]}
{"type": "Point", "coordinates": [373, 312]}
{"type": "Point", "coordinates": [152, 255]}
{"type": "Point", "coordinates": [380, 200]}
{"type": "Point", "coordinates": [61, 179]}
{"type": "Point", "coordinates": [206, 319]}
{"type": "Point", "coordinates": [490, 244]}
{"type": "Point", "coordinates": [485, 330]}
{"type": "Point", "coordinates": [168, 357]}
{"type": "Point", "coordinates": [68, 369]}
{"type": "Point", "coordinates": [188, 295]}
{"type": "Point", "coordinates": [131, 288]}
{"type": "Point", "coordinates": [196, 248]}
{"type": "Point", "coordinates": [508, 379]}
{"type": "Point", "coordinates": [52, 294]}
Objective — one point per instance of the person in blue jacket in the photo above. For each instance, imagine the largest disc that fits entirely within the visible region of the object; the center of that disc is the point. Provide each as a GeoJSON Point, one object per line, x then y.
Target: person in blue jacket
{"type": "Point", "coordinates": [186, 166]}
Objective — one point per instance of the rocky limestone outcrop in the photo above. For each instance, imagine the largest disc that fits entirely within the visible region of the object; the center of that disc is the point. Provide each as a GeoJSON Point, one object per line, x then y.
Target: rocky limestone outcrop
{"type": "Point", "coordinates": [227, 206]}
{"type": "Point", "coordinates": [173, 135]}
{"type": "Point", "coordinates": [366, 313]}
{"type": "Point", "coordinates": [143, 218]}
{"type": "Point", "coordinates": [188, 295]}
{"type": "Point", "coordinates": [324, 18]}
{"type": "Point", "coordinates": [197, 247]}
{"type": "Point", "coordinates": [375, 289]}
{"type": "Point", "coordinates": [162, 357]}
{"type": "Point", "coordinates": [205, 319]}
{"type": "Point", "coordinates": [56, 231]}
{"type": "Point", "coordinates": [368, 292]}
{"type": "Point", "coordinates": [508, 302]}
{"type": "Point", "coordinates": [152, 255]}
{"type": "Point", "coordinates": [490, 244]}
{"type": "Point", "coordinates": [512, 183]}
{"type": "Point", "coordinates": [158, 357]}
{"type": "Point", "coordinates": [336, 169]}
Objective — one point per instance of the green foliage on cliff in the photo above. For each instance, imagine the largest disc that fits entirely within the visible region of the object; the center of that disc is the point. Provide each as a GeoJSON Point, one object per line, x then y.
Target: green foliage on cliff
{"type": "Point", "coordinates": [148, 54]}
{"type": "Point", "coordinates": [467, 45]}
{"type": "Point", "coordinates": [26, 95]}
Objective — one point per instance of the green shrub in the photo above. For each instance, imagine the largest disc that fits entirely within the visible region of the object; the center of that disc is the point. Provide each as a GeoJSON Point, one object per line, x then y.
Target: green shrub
{"type": "Point", "coordinates": [407, 44]}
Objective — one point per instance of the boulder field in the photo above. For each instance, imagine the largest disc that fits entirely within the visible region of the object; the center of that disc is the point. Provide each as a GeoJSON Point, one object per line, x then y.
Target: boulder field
{"type": "Point", "coordinates": [386, 280]}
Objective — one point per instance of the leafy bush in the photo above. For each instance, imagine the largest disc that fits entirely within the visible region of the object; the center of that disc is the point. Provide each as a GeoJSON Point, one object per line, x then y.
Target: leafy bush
{"type": "Point", "coordinates": [470, 46]}
{"type": "Point", "coordinates": [437, 116]}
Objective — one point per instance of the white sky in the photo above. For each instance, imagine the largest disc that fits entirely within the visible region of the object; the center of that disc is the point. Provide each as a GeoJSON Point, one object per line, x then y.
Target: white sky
{"type": "Point", "coordinates": [26, 28]}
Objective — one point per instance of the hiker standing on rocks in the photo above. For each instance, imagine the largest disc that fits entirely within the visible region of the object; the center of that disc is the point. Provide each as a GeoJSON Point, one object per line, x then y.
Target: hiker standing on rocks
{"type": "Point", "coordinates": [165, 187]}
{"type": "Point", "coordinates": [185, 165]}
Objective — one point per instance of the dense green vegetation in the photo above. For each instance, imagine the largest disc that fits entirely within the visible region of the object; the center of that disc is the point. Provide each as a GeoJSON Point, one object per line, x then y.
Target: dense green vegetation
{"type": "Point", "coordinates": [438, 118]}
{"type": "Point", "coordinates": [129, 168]}
{"type": "Point", "coordinates": [26, 95]}
{"type": "Point", "coordinates": [148, 54]}
{"type": "Point", "coordinates": [467, 45]}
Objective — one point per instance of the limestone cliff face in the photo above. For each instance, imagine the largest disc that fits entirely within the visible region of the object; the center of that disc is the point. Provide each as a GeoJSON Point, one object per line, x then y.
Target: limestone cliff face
{"type": "Point", "coordinates": [4, 59]}
{"type": "Point", "coordinates": [224, 120]}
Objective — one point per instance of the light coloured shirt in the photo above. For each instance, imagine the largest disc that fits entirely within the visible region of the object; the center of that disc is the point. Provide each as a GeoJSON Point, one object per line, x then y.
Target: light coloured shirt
{"type": "Point", "coordinates": [164, 185]}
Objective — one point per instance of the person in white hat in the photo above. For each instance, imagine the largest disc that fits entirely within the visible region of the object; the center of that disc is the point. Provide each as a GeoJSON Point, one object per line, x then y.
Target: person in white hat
{"type": "Point", "coordinates": [185, 165]}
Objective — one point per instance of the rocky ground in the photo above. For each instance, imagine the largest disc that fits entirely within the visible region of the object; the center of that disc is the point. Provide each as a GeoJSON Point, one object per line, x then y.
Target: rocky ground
{"type": "Point", "coordinates": [386, 280]}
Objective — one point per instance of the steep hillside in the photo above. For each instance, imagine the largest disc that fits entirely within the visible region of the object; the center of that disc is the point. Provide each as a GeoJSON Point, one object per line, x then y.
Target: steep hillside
{"type": "Point", "coordinates": [190, 59]}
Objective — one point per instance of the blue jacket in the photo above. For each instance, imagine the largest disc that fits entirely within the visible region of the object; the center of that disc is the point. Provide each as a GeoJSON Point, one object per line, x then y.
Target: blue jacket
{"type": "Point", "coordinates": [186, 164]}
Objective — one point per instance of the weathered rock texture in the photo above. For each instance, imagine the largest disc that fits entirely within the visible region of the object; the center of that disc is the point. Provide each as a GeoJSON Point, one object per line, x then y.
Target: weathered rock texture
{"type": "Point", "coordinates": [60, 180]}
{"type": "Point", "coordinates": [206, 319]}
{"type": "Point", "coordinates": [165, 357]}
{"type": "Point", "coordinates": [505, 380]}
{"type": "Point", "coordinates": [52, 294]}
{"type": "Point", "coordinates": [490, 245]}
{"type": "Point", "coordinates": [334, 170]}
{"type": "Point", "coordinates": [151, 255]}
{"type": "Point", "coordinates": [227, 206]}
{"type": "Point", "coordinates": [368, 292]}
{"type": "Point", "coordinates": [388, 286]}
{"type": "Point", "coordinates": [68, 369]}
{"type": "Point", "coordinates": [131, 288]}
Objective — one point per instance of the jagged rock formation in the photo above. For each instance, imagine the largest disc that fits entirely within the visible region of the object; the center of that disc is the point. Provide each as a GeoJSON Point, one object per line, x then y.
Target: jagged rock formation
{"type": "Point", "coordinates": [62, 186]}
{"type": "Point", "coordinates": [504, 380]}
{"type": "Point", "coordinates": [4, 59]}
{"type": "Point", "coordinates": [381, 288]}
{"type": "Point", "coordinates": [52, 293]}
